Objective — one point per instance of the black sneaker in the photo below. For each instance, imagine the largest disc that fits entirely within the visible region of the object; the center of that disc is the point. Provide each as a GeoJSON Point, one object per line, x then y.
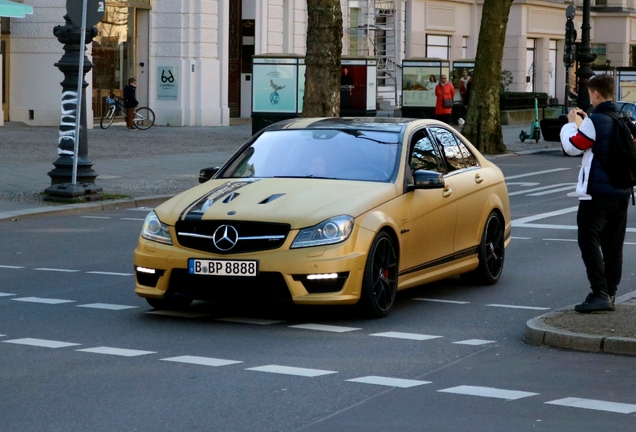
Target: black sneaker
{"type": "Point", "coordinates": [596, 302]}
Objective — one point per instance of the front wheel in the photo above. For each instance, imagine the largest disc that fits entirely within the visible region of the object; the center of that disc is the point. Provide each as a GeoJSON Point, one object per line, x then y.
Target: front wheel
{"type": "Point", "coordinates": [491, 252]}
{"type": "Point", "coordinates": [379, 285]}
{"type": "Point", "coordinates": [107, 118]}
{"type": "Point", "coordinates": [144, 118]}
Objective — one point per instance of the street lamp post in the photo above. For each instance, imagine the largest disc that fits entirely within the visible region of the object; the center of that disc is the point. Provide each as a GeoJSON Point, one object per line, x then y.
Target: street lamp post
{"type": "Point", "coordinates": [584, 57]}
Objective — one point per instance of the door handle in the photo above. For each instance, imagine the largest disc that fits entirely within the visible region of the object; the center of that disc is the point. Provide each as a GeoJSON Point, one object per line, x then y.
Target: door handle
{"type": "Point", "coordinates": [447, 191]}
{"type": "Point", "coordinates": [478, 178]}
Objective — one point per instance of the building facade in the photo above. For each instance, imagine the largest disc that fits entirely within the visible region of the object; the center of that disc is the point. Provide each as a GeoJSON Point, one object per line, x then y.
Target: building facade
{"type": "Point", "coordinates": [192, 58]}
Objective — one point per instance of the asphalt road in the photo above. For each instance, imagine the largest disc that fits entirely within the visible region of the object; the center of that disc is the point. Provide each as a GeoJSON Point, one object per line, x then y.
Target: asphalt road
{"type": "Point", "coordinates": [79, 351]}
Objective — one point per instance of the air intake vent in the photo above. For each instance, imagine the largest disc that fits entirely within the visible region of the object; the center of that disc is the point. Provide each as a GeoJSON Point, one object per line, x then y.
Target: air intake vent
{"type": "Point", "coordinates": [231, 197]}
{"type": "Point", "coordinates": [271, 198]}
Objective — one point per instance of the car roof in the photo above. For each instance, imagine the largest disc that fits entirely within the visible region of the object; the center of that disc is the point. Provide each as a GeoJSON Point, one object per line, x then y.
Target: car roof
{"type": "Point", "coordinates": [384, 124]}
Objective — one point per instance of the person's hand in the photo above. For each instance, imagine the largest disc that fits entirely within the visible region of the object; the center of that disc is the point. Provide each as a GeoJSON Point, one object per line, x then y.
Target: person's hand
{"type": "Point", "coordinates": [574, 112]}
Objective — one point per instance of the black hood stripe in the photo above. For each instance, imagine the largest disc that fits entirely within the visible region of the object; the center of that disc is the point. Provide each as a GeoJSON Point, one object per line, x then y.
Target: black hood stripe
{"type": "Point", "coordinates": [196, 210]}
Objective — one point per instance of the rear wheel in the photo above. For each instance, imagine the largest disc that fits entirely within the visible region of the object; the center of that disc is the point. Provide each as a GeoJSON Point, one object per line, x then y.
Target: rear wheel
{"type": "Point", "coordinates": [169, 303]}
{"type": "Point", "coordinates": [379, 285]}
{"type": "Point", "coordinates": [491, 252]}
{"type": "Point", "coordinates": [144, 118]}
{"type": "Point", "coordinates": [107, 118]}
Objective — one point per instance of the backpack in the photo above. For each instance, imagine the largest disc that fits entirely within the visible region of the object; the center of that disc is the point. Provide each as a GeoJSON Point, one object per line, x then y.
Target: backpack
{"type": "Point", "coordinates": [621, 154]}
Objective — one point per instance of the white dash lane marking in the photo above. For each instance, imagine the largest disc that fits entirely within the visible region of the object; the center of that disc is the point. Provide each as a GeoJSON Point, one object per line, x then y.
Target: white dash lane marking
{"type": "Point", "coordinates": [521, 238]}
{"type": "Point", "coordinates": [41, 343]}
{"type": "Point", "coordinates": [6, 294]}
{"type": "Point", "coordinates": [592, 404]}
{"type": "Point", "coordinates": [561, 240]}
{"type": "Point", "coordinates": [178, 314]}
{"type": "Point", "coordinates": [56, 270]}
{"type": "Point", "coordinates": [1, 335]}
{"type": "Point", "coordinates": [527, 219]}
{"type": "Point", "coordinates": [107, 306]}
{"type": "Point", "coordinates": [518, 307]}
{"type": "Point", "coordinates": [11, 267]}
{"type": "Point", "coordinates": [474, 342]}
{"type": "Point", "coordinates": [132, 219]}
{"type": "Point", "coordinates": [325, 328]}
{"type": "Point", "coordinates": [390, 382]}
{"type": "Point", "coordinates": [488, 392]}
{"type": "Point", "coordinates": [410, 336]}
{"type": "Point", "coordinates": [203, 361]}
{"type": "Point", "coordinates": [441, 301]}
{"type": "Point", "coordinates": [256, 321]}
{"type": "Point", "coordinates": [535, 173]}
{"type": "Point", "coordinates": [42, 300]}
{"type": "Point", "coordinates": [116, 351]}
{"type": "Point", "coordinates": [109, 273]}
{"type": "Point", "coordinates": [96, 217]}
{"type": "Point", "coordinates": [288, 370]}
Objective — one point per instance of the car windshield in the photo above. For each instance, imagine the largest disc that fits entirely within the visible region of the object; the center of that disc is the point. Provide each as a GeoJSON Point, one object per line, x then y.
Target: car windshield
{"type": "Point", "coordinates": [317, 153]}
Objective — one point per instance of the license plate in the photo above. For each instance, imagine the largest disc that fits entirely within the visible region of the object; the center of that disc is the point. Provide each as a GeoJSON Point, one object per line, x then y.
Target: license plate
{"type": "Point", "coordinates": [223, 267]}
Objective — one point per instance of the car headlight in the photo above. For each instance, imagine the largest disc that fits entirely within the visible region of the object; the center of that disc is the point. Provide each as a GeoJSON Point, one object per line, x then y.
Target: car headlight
{"type": "Point", "coordinates": [334, 230]}
{"type": "Point", "coordinates": [155, 230]}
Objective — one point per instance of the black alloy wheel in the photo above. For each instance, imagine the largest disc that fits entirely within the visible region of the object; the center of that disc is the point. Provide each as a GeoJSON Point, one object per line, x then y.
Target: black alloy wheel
{"type": "Point", "coordinates": [491, 251]}
{"type": "Point", "coordinates": [379, 286]}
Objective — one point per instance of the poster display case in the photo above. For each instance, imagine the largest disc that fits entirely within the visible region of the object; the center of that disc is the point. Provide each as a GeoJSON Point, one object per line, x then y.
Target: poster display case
{"type": "Point", "coordinates": [358, 91]}
{"type": "Point", "coordinates": [420, 76]}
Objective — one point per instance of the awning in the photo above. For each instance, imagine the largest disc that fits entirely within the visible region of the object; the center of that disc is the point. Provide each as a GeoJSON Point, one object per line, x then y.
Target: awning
{"type": "Point", "coordinates": [12, 9]}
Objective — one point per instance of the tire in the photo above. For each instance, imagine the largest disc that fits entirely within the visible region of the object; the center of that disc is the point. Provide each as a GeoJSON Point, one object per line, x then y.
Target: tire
{"type": "Point", "coordinates": [491, 252]}
{"type": "Point", "coordinates": [107, 118]}
{"type": "Point", "coordinates": [169, 303]}
{"type": "Point", "coordinates": [379, 285]}
{"type": "Point", "coordinates": [148, 120]}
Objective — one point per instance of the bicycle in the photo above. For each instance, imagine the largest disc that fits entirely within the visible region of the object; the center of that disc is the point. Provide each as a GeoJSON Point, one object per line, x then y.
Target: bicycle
{"type": "Point", "coordinates": [144, 116]}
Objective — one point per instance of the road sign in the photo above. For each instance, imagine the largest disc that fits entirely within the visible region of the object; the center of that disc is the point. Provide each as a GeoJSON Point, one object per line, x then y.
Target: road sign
{"type": "Point", "coordinates": [94, 11]}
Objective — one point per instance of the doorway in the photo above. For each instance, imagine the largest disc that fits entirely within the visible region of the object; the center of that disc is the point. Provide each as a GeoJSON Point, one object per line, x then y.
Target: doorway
{"type": "Point", "coordinates": [4, 52]}
{"type": "Point", "coordinates": [234, 60]}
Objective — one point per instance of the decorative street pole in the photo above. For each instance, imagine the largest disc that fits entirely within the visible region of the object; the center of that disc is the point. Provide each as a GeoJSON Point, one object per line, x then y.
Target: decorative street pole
{"type": "Point", "coordinates": [584, 57]}
{"type": "Point", "coordinates": [73, 163]}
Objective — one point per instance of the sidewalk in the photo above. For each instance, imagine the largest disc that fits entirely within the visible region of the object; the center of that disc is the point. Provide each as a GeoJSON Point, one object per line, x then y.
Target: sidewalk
{"type": "Point", "coordinates": [148, 167]}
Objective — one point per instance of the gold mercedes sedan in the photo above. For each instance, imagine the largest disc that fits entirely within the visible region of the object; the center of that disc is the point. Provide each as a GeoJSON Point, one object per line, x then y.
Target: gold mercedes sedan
{"type": "Point", "coordinates": [330, 211]}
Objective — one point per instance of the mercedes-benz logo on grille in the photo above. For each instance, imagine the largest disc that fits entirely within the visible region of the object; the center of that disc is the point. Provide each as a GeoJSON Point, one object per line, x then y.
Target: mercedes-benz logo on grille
{"type": "Point", "coordinates": [225, 237]}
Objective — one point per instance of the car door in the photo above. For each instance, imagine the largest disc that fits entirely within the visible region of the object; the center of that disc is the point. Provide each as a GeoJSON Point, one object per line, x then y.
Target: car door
{"type": "Point", "coordinates": [427, 237]}
{"type": "Point", "coordinates": [467, 182]}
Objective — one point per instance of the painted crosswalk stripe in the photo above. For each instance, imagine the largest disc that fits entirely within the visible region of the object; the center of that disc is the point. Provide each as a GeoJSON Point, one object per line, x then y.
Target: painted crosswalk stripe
{"type": "Point", "coordinates": [488, 392]}
{"type": "Point", "coordinates": [592, 404]}
{"type": "Point", "coordinates": [178, 314]}
{"type": "Point", "coordinates": [109, 273]}
{"type": "Point", "coordinates": [6, 294]}
{"type": "Point", "coordinates": [288, 370]}
{"type": "Point", "coordinates": [474, 342]}
{"type": "Point", "coordinates": [410, 336]}
{"type": "Point", "coordinates": [107, 306]}
{"type": "Point", "coordinates": [11, 267]}
{"type": "Point", "coordinates": [41, 343]}
{"type": "Point", "coordinates": [56, 270]}
{"type": "Point", "coordinates": [116, 351]}
{"type": "Point", "coordinates": [390, 382]}
{"type": "Point", "coordinates": [203, 361]}
{"type": "Point", "coordinates": [256, 321]}
{"type": "Point", "coordinates": [517, 307]}
{"type": "Point", "coordinates": [441, 301]}
{"type": "Point", "coordinates": [42, 300]}
{"type": "Point", "coordinates": [535, 173]}
{"type": "Point", "coordinates": [325, 328]}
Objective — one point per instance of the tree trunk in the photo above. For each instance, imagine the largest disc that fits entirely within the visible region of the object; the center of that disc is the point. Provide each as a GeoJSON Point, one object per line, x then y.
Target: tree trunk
{"type": "Point", "coordinates": [483, 122]}
{"type": "Point", "coordinates": [324, 48]}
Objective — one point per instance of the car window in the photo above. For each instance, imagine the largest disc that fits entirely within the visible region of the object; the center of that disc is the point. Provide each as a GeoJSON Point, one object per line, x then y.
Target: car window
{"type": "Point", "coordinates": [629, 110]}
{"type": "Point", "coordinates": [424, 154]}
{"type": "Point", "coordinates": [319, 153]}
{"type": "Point", "coordinates": [469, 159]}
{"type": "Point", "coordinates": [450, 145]}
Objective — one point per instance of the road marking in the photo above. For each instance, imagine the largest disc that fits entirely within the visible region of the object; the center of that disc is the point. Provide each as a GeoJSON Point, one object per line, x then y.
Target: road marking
{"type": "Point", "coordinates": [42, 300]}
{"type": "Point", "coordinates": [11, 267]}
{"type": "Point", "coordinates": [592, 404]}
{"type": "Point", "coordinates": [518, 307]}
{"type": "Point", "coordinates": [56, 270]}
{"type": "Point", "coordinates": [535, 173]}
{"type": "Point", "coordinates": [562, 186]}
{"type": "Point", "coordinates": [116, 351]}
{"type": "Point", "coordinates": [525, 220]}
{"type": "Point", "coordinates": [488, 392]}
{"type": "Point", "coordinates": [441, 301]}
{"type": "Point", "coordinates": [390, 382]}
{"type": "Point", "coordinates": [41, 343]}
{"type": "Point", "coordinates": [203, 361]}
{"type": "Point", "coordinates": [325, 328]}
{"type": "Point", "coordinates": [6, 294]}
{"type": "Point", "coordinates": [107, 306]}
{"type": "Point", "coordinates": [132, 219]}
{"type": "Point", "coordinates": [551, 191]}
{"type": "Point", "coordinates": [561, 240]}
{"type": "Point", "coordinates": [523, 184]}
{"type": "Point", "coordinates": [474, 342]}
{"type": "Point", "coordinates": [179, 314]}
{"type": "Point", "coordinates": [256, 321]}
{"type": "Point", "coordinates": [521, 238]}
{"type": "Point", "coordinates": [109, 273]}
{"type": "Point", "coordinates": [288, 370]}
{"type": "Point", "coordinates": [411, 336]}
{"type": "Point", "coordinates": [96, 217]}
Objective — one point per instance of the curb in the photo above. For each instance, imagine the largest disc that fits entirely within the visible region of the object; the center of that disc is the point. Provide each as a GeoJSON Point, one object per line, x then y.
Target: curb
{"type": "Point", "coordinates": [70, 209]}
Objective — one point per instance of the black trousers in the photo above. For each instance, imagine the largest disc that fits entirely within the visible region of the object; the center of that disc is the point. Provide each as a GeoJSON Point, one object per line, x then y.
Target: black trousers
{"type": "Point", "coordinates": [602, 224]}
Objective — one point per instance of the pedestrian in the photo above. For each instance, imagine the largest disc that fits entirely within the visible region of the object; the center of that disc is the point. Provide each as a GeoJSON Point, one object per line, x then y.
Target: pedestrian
{"type": "Point", "coordinates": [445, 93]}
{"type": "Point", "coordinates": [602, 212]}
{"type": "Point", "coordinates": [130, 101]}
{"type": "Point", "coordinates": [464, 82]}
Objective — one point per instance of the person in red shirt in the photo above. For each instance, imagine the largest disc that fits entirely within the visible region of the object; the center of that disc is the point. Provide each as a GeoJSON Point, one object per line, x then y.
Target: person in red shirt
{"type": "Point", "coordinates": [444, 92]}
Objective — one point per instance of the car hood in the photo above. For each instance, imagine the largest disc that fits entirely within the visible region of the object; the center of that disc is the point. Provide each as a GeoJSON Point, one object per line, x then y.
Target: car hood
{"type": "Point", "coordinates": [299, 202]}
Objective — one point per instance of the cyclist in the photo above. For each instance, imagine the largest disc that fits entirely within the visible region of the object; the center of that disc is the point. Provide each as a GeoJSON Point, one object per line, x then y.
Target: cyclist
{"type": "Point", "coordinates": [130, 101]}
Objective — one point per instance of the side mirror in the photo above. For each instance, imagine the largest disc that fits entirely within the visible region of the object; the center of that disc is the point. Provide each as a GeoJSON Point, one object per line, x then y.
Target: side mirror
{"type": "Point", "coordinates": [423, 179]}
{"type": "Point", "coordinates": [207, 173]}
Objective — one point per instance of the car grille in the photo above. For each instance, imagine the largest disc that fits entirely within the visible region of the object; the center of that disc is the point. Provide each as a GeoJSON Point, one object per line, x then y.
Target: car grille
{"type": "Point", "coordinates": [231, 237]}
{"type": "Point", "coordinates": [266, 286]}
